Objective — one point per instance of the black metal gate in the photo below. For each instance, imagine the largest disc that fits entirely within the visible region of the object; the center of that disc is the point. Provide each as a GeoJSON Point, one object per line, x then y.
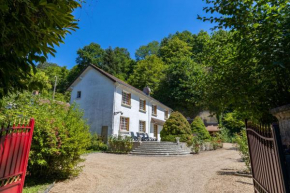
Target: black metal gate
{"type": "Point", "coordinates": [267, 159]}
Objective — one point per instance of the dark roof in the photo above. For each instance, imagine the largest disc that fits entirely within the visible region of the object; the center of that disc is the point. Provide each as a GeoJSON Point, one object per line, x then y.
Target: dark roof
{"type": "Point", "coordinates": [114, 79]}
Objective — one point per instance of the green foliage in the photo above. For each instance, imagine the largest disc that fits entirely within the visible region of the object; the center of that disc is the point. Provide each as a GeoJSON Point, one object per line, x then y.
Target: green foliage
{"type": "Point", "coordinates": [216, 141]}
{"type": "Point", "coordinates": [233, 122]}
{"type": "Point", "coordinates": [195, 142]}
{"type": "Point", "coordinates": [60, 135]}
{"type": "Point", "coordinates": [120, 144]}
{"type": "Point", "coordinates": [150, 49]}
{"type": "Point", "coordinates": [257, 65]}
{"type": "Point", "coordinates": [148, 72]}
{"type": "Point", "coordinates": [97, 144]}
{"type": "Point", "coordinates": [29, 32]}
{"type": "Point", "coordinates": [181, 87]}
{"type": "Point", "coordinates": [242, 145]}
{"type": "Point", "coordinates": [52, 70]}
{"type": "Point", "coordinates": [174, 48]}
{"type": "Point", "coordinates": [198, 128]}
{"type": "Point", "coordinates": [176, 126]}
{"type": "Point", "coordinates": [226, 135]}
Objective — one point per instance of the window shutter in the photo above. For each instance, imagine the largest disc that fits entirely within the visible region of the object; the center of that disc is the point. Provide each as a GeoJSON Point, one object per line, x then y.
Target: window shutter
{"type": "Point", "coordinates": [127, 123]}
{"type": "Point", "coordinates": [144, 105]}
{"type": "Point", "coordinates": [144, 127]}
{"type": "Point", "coordinates": [129, 99]}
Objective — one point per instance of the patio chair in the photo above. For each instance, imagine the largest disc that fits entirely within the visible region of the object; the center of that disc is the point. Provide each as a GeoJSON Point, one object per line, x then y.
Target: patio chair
{"type": "Point", "coordinates": [149, 138]}
{"type": "Point", "coordinates": [145, 137]}
{"type": "Point", "coordinates": [134, 137]}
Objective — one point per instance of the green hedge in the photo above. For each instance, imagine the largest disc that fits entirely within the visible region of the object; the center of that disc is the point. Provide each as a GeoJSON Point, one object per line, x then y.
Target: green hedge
{"type": "Point", "coordinates": [176, 126]}
{"type": "Point", "coordinates": [120, 145]}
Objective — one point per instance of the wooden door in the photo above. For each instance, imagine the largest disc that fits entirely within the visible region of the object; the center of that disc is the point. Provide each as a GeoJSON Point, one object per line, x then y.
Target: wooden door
{"type": "Point", "coordinates": [156, 131]}
{"type": "Point", "coordinates": [105, 134]}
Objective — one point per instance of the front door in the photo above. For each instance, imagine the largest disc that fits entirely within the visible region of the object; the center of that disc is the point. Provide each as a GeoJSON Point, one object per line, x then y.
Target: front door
{"type": "Point", "coordinates": [156, 131]}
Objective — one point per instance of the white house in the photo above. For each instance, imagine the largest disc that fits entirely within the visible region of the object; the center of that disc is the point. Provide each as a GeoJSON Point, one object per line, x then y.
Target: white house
{"type": "Point", "coordinates": [112, 106]}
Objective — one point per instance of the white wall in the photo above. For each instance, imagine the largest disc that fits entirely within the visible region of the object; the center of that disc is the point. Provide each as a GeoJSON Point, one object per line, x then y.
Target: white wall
{"type": "Point", "coordinates": [135, 114]}
{"type": "Point", "coordinates": [96, 100]}
{"type": "Point", "coordinates": [132, 112]}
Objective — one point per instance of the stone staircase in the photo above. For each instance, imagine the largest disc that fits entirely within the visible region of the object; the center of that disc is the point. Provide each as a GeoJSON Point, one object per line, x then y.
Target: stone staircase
{"type": "Point", "coordinates": [156, 148]}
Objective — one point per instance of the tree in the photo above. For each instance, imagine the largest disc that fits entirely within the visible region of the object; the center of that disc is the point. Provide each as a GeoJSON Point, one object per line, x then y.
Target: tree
{"type": "Point", "coordinates": [174, 48]}
{"type": "Point", "coordinates": [198, 128]}
{"type": "Point", "coordinates": [182, 88]}
{"type": "Point", "coordinates": [176, 126]}
{"type": "Point", "coordinates": [117, 62]}
{"type": "Point", "coordinates": [29, 32]}
{"type": "Point", "coordinates": [52, 70]}
{"type": "Point", "coordinates": [150, 49]}
{"type": "Point", "coordinates": [260, 66]}
{"type": "Point", "coordinates": [148, 72]}
{"type": "Point", "coordinates": [39, 81]}
{"type": "Point", "coordinates": [90, 54]}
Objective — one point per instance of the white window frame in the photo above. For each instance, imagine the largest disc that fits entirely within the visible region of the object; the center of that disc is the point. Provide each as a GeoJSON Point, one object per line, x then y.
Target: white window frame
{"type": "Point", "coordinates": [121, 124]}
{"type": "Point", "coordinates": [129, 101]}
{"type": "Point", "coordinates": [143, 106]}
{"type": "Point", "coordinates": [144, 126]}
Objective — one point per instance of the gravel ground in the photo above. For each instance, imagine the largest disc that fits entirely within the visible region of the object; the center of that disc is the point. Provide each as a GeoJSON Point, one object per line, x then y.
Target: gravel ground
{"type": "Point", "coordinates": [212, 171]}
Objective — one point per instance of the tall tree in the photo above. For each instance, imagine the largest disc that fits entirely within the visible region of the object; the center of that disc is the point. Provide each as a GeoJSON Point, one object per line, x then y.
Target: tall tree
{"type": "Point", "coordinates": [174, 48]}
{"type": "Point", "coordinates": [148, 72]}
{"type": "Point", "coordinates": [29, 31]}
{"type": "Point", "coordinates": [260, 67]}
{"type": "Point", "coordinates": [181, 88]}
{"type": "Point", "coordinates": [52, 70]}
{"type": "Point", "coordinates": [90, 54]}
{"type": "Point", "coordinates": [150, 49]}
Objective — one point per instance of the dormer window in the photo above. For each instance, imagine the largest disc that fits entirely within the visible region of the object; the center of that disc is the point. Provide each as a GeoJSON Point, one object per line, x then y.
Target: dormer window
{"type": "Point", "coordinates": [79, 94]}
{"type": "Point", "coordinates": [154, 110]}
{"type": "Point", "coordinates": [126, 98]}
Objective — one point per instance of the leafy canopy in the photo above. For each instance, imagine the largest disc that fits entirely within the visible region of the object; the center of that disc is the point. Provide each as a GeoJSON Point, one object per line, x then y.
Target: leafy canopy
{"type": "Point", "coordinates": [29, 32]}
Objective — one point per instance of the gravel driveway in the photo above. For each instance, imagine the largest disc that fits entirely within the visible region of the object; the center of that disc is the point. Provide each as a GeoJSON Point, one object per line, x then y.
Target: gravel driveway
{"type": "Point", "coordinates": [211, 171]}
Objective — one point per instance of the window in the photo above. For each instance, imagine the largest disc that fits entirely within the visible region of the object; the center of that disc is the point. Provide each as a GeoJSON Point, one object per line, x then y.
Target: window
{"type": "Point", "coordinates": [126, 98]}
{"type": "Point", "coordinates": [154, 110]}
{"type": "Point", "coordinates": [142, 126]}
{"type": "Point", "coordinates": [142, 105]}
{"type": "Point", "coordinates": [124, 123]}
{"type": "Point", "coordinates": [166, 115]}
{"type": "Point", "coordinates": [79, 94]}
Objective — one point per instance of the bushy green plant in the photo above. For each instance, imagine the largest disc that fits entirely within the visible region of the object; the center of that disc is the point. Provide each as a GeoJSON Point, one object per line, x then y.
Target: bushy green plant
{"type": "Point", "coordinates": [60, 135]}
{"type": "Point", "coordinates": [242, 145]}
{"type": "Point", "coordinates": [120, 144]}
{"type": "Point", "coordinates": [226, 136]}
{"type": "Point", "coordinates": [233, 122]}
{"type": "Point", "coordinates": [216, 141]}
{"type": "Point", "coordinates": [176, 126]}
{"type": "Point", "coordinates": [97, 144]}
{"type": "Point", "coordinates": [198, 128]}
{"type": "Point", "coordinates": [195, 144]}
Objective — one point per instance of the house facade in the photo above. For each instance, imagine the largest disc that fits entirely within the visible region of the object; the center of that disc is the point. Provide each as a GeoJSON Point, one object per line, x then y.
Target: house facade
{"type": "Point", "coordinates": [112, 106]}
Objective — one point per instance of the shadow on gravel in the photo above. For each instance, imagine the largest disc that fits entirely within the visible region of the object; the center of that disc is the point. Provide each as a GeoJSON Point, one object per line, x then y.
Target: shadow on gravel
{"type": "Point", "coordinates": [233, 173]}
{"type": "Point", "coordinates": [244, 182]}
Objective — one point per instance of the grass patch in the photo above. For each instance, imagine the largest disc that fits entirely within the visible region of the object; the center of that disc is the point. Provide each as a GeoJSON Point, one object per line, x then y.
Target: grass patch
{"type": "Point", "coordinates": [35, 185]}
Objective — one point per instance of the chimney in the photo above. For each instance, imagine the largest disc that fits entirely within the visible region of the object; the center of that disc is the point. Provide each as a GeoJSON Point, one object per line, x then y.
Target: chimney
{"type": "Point", "coordinates": [147, 90]}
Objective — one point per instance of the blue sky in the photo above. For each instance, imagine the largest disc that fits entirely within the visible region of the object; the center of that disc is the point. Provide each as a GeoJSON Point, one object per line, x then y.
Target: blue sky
{"type": "Point", "coordinates": [129, 24]}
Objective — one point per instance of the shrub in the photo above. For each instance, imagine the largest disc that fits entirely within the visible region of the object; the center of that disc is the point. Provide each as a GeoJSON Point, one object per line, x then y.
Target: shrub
{"type": "Point", "coordinates": [120, 144]}
{"type": "Point", "coordinates": [97, 143]}
{"type": "Point", "coordinates": [242, 145]}
{"type": "Point", "coordinates": [198, 128]}
{"type": "Point", "coordinates": [195, 142]}
{"type": "Point", "coordinates": [176, 126]}
{"type": "Point", "coordinates": [233, 122]}
{"type": "Point", "coordinates": [60, 135]}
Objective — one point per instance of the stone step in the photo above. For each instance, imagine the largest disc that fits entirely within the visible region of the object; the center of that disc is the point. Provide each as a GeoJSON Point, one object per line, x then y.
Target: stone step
{"type": "Point", "coordinates": [159, 154]}
{"type": "Point", "coordinates": [161, 150]}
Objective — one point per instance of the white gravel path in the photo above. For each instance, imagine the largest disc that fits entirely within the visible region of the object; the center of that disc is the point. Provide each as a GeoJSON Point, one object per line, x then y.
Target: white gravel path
{"type": "Point", "coordinates": [210, 171]}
